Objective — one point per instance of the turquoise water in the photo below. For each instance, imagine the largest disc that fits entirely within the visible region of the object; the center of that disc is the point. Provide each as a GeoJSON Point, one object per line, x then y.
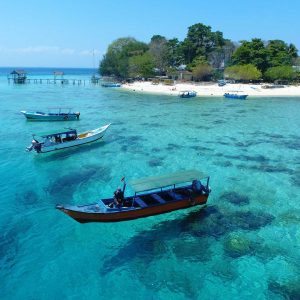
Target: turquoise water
{"type": "Point", "coordinates": [244, 245]}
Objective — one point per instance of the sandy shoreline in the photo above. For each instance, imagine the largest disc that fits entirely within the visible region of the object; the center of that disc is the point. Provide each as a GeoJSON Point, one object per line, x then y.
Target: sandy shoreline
{"type": "Point", "coordinates": [212, 89]}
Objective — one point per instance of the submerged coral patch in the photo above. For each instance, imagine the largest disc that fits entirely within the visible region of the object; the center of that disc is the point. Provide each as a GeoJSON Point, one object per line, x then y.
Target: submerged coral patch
{"type": "Point", "coordinates": [155, 150]}
{"type": "Point", "coordinates": [200, 148]}
{"type": "Point", "coordinates": [235, 198]}
{"type": "Point", "coordinates": [236, 245]}
{"type": "Point", "coordinates": [195, 250]}
{"type": "Point", "coordinates": [288, 290]}
{"type": "Point", "coordinates": [155, 162]}
{"type": "Point", "coordinates": [271, 168]}
{"type": "Point", "coordinates": [172, 146]}
{"type": "Point", "coordinates": [65, 186]}
{"type": "Point", "coordinates": [30, 197]}
{"type": "Point", "coordinates": [226, 163]}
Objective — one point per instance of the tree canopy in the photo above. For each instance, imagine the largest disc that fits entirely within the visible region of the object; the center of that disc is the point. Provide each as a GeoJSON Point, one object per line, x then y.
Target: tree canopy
{"type": "Point", "coordinates": [243, 72]}
{"type": "Point", "coordinates": [141, 66]}
{"type": "Point", "coordinates": [158, 49]}
{"type": "Point", "coordinates": [202, 49]}
{"type": "Point", "coordinates": [201, 69]}
{"type": "Point", "coordinates": [200, 41]}
{"type": "Point", "coordinates": [264, 55]}
{"type": "Point", "coordinates": [281, 72]}
{"type": "Point", "coordinates": [116, 60]}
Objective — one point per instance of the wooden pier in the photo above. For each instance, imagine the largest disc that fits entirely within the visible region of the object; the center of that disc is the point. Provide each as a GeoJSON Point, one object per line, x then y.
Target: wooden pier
{"type": "Point", "coordinates": [20, 77]}
{"type": "Point", "coordinates": [57, 81]}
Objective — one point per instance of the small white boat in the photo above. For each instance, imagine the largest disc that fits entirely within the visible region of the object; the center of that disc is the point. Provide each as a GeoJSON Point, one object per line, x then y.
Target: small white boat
{"type": "Point", "coordinates": [65, 139]}
{"type": "Point", "coordinates": [54, 114]}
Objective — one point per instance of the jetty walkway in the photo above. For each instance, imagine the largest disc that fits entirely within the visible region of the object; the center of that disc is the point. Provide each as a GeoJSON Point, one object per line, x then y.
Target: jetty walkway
{"type": "Point", "coordinates": [57, 81]}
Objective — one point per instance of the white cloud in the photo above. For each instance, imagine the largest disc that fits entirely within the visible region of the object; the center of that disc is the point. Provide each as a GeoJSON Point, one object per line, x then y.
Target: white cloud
{"type": "Point", "coordinates": [50, 50]}
{"type": "Point", "coordinates": [40, 50]}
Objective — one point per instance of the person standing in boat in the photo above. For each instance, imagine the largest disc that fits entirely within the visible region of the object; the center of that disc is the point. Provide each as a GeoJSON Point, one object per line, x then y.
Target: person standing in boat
{"type": "Point", "coordinates": [119, 196]}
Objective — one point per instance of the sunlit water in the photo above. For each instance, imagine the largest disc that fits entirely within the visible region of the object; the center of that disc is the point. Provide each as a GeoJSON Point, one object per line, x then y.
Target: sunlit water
{"type": "Point", "coordinates": [244, 245]}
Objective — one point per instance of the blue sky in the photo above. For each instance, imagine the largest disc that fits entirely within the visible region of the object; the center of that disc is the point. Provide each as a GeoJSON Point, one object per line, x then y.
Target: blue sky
{"type": "Point", "coordinates": [63, 33]}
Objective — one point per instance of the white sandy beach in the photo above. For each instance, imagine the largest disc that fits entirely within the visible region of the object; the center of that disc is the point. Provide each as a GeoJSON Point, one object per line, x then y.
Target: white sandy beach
{"type": "Point", "coordinates": [212, 89]}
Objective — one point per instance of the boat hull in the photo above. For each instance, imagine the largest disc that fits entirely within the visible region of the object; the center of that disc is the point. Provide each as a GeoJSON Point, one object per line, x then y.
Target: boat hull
{"type": "Point", "coordinates": [79, 141]}
{"type": "Point", "coordinates": [111, 85]}
{"type": "Point", "coordinates": [235, 96]}
{"type": "Point", "coordinates": [50, 117]}
{"type": "Point", "coordinates": [124, 214]}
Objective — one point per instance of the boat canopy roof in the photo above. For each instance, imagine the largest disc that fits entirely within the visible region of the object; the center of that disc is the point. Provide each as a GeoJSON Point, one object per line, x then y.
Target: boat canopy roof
{"type": "Point", "coordinates": [48, 134]}
{"type": "Point", "coordinates": [155, 182]}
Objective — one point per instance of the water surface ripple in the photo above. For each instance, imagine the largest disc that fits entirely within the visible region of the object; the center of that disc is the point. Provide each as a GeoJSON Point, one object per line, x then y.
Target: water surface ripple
{"type": "Point", "coordinates": [244, 245]}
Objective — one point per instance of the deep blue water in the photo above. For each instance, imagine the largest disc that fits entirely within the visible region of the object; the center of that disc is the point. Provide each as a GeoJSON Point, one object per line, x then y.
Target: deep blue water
{"type": "Point", "coordinates": [243, 245]}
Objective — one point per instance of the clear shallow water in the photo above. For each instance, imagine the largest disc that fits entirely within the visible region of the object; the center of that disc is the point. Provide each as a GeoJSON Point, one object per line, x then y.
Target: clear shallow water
{"type": "Point", "coordinates": [244, 245]}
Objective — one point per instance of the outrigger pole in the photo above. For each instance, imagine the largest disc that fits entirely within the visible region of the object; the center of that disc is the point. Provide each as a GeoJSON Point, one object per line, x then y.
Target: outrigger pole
{"type": "Point", "coordinates": [124, 184]}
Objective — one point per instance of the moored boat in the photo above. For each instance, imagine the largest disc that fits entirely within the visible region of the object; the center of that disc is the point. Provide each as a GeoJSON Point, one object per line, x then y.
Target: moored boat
{"type": "Point", "coordinates": [235, 96]}
{"type": "Point", "coordinates": [187, 94]}
{"type": "Point", "coordinates": [152, 196]}
{"type": "Point", "coordinates": [54, 114]}
{"type": "Point", "coordinates": [111, 84]}
{"type": "Point", "coordinates": [65, 139]}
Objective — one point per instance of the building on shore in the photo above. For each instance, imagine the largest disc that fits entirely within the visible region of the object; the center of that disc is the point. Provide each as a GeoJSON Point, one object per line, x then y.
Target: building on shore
{"type": "Point", "coordinates": [180, 75]}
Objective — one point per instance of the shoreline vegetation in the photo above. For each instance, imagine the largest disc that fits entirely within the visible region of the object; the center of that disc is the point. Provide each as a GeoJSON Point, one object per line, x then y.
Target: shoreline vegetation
{"type": "Point", "coordinates": [200, 62]}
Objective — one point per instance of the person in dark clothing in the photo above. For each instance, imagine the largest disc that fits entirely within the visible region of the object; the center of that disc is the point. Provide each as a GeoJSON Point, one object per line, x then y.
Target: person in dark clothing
{"type": "Point", "coordinates": [118, 199]}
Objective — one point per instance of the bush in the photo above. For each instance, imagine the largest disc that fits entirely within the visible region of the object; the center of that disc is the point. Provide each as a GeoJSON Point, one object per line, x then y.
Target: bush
{"type": "Point", "coordinates": [202, 71]}
{"type": "Point", "coordinates": [281, 72]}
{"type": "Point", "coordinates": [243, 72]}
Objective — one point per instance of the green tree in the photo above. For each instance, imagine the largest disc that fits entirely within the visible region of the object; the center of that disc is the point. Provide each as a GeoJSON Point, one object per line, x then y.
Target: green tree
{"type": "Point", "coordinates": [116, 60]}
{"type": "Point", "coordinates": [253, 52]}
{"type": "Point", "coordinates": [280, 72]}
{"type": "Point", "coordinates": [243, 72]}
{"type": "Point", "coordinates": [280, 53]}
{"type": "Point", "coordinates": [174, 55]}
{"type": "Point", "coordinates": [141, 66]}
{"type": "Point", "coordinates": [200, 41]}
{"type": "Point", "coordinates": [159, 50]}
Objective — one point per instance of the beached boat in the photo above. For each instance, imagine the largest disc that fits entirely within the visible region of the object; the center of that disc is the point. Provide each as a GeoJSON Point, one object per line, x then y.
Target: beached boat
{"type": "Point", "coordinates": [65, 139]}
{"type": "Point", "coordinates": [152, 196]}
{"type": "Point", "coordinates": [53, 114]}
{"type": "Point", "coordinates": [111, 84]}
{"type": "Point", "coordinates": [235, 96]}
{"type": "Point", "coordinates": [187, 94]}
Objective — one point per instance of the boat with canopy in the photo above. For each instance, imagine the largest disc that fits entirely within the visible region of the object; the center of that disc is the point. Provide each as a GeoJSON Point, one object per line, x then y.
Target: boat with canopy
{"type": "Point", "coordinates": [53, 114]}
{"type": "Point", "coordinates": [187, 94]}
{"type": "Point", "coordinates": [65, 139]}
{"type": "Point", "coordinates": [152, 196]}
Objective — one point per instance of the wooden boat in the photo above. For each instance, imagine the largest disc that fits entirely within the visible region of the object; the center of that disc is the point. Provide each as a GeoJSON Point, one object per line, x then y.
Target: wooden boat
{"type": "Point", "coordinates": [187, 94]}
{"type": "Point", "coordinates": [65, 139]}
{"type": "Point", "coordinates": [235, 96]}
{"type": "Point", "coordinates": [54, 114]}
{"type": "Point", "coordinates": [111, 84]}
{"type": "Point", "coordinates": [152, 196]}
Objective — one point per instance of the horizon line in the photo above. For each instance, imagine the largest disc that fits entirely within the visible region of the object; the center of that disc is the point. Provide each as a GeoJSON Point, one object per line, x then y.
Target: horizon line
{"type": "Point", "coordinates": [56, 67]}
